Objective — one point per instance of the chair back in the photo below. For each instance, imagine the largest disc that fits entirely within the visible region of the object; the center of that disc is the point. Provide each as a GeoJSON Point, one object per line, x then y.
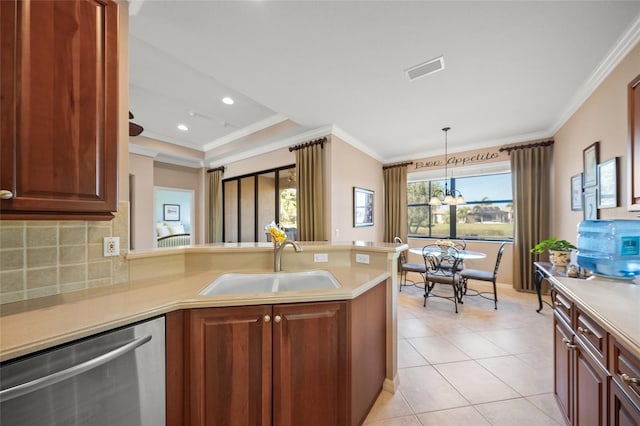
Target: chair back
{"type": "Point", "coordinates": [402, 259]}
{"type": "Point", "coordinates": [498, 259]}
{"type": "Point", "coordinates": [459, 243]}
{"type": "Point", "coordinates": [441, 259]}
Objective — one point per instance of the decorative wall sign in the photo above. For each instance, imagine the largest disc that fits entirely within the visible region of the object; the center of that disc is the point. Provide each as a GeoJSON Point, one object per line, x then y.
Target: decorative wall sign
{"type": "Point", "coordinates": [576, 192]}
{"type": "Point", "coordinates": [460, 159]}
{"type": "Point", "coordinates": [608, 184]}
{"type": "Point", "coordinates": [590, 164]}
{"type": "Point", "coordinates": [362, 207]}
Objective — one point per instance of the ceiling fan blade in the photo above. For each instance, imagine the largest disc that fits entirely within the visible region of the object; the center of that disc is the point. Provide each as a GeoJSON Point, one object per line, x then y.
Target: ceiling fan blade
{"type": "Point", "coordinates": [134, 129]}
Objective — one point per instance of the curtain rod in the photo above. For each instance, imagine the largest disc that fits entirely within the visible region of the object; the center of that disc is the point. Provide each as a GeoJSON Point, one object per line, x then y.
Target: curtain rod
{"type": "Point", "coordinates": [525, 146]}
{"type": "Point", "coordinates": [217, 169]}
{"type": "Point", "coordinates": [390, 166]}
{"type": "Point", "coordinates": [320, 141]}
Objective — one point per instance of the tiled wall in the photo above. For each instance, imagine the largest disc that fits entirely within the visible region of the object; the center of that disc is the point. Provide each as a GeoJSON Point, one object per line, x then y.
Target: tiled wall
{"type": "Point", "coordinates": [41, 258]}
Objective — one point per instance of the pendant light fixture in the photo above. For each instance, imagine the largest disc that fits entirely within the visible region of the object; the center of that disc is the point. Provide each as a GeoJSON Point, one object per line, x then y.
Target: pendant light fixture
{"type": "Point", "coordinates": [447, 197]}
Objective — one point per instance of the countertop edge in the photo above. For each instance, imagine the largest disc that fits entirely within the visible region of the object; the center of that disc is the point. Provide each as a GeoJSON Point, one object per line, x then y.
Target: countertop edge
{"type": "Point", "coordinates": [184, 298]}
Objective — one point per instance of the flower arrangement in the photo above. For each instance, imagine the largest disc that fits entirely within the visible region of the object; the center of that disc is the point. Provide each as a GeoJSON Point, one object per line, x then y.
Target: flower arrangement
{"type": "Point", "coordinates": [278, 235]}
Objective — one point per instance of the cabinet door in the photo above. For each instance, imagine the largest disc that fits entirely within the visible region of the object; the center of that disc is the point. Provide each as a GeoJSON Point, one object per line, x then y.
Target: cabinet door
{"type": "Point", "coordinates": [590, 389]}
{"type": "Point", "coordinates": [562, 367]}
{"type": "Point", "coordinates": [59, 93]}
{"type": "Point", "coordinates": [230, 366]}
{"type": "Point", "coordinates": [623, 412]}
{"type": "Point", "coordinates": [310, 364]}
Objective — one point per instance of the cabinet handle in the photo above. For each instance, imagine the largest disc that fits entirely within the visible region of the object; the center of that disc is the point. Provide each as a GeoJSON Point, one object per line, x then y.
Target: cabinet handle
{"type": "Point", "coordinates": [583, 330]}
{"type": "Point", "coordinates": [277, 318]}
{"type": "Point", "coordinates": [556, 303]}
{"type": "Point", "coordinates": [566, 341]}
{"type": "Point", "coordinates": [5, 194]}
{"type": "Point", "coordinates": [267, 318]}
{"type": "Point", "coordinates": [570, 346]}
{"type": "Point", "coordinates": [629, 380]}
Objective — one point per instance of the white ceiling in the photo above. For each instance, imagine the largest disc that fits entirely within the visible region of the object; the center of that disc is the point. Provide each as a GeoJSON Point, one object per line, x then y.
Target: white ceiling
{"type": "Point", "coordinates": [514, 71]}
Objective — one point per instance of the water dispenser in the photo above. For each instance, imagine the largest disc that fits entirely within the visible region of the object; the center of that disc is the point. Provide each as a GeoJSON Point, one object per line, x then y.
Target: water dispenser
{"type": "Point", "coordinates": [610, 248]}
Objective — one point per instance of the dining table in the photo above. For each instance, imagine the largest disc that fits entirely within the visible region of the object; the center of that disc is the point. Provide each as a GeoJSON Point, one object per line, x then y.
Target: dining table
{"type": "Point", "coordinates": [462, 254]}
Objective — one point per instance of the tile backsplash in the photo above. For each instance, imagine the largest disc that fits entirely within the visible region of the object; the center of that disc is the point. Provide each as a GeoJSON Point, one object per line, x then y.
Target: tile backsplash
{"type": "Point", "coordinates": [41, 258]}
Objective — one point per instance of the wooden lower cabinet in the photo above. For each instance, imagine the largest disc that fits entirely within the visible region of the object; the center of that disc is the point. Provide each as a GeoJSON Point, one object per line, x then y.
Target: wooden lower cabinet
{"type": "Point", "coordinates": [590, 368]}
{"type": "Point", "coordinates": [590, 388]}
{"type": "Point", "coordinates": [285, 365]}
{"type": "Point", "coordinates": [563, 363]}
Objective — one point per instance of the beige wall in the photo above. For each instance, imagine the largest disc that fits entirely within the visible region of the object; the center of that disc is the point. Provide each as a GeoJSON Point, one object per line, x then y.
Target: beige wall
{"type": "Point", "coordinates": [349, 167]}
{"type": "Point", "coordinates": [603, 117]}
{"type": "Point", "coordinates": [142, 208]}
{"type": "Point", "coordinates": [271, 160]}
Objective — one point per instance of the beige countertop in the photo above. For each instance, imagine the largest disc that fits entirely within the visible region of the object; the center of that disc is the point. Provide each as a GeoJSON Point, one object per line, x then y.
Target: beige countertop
{"type": "Point", "coordinates": [38, 324]}
{"type": "Point", "coordinates": [615, 304]}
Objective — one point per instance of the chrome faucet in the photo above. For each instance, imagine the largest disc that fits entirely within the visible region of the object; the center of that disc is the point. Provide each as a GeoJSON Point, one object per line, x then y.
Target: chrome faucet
{"type": "Point", "coordinates": [277, 254]}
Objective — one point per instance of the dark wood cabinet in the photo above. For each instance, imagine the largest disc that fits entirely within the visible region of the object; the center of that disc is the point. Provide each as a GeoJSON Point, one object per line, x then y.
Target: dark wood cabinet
{"type": "Point", "coordinates": [59, 108]}
{"type": "Point", "coordinates": [633, 154]}
{"type": "Point", "coordinates": [623, 412]}
{"type": "Point", "coordinates": [580, 382]}
{"type": "Point", "coordinates": [286, 364]}
{"type": "Point", "coordinates": [595, 377]}
{"type": "Point", "coordinates": [563, 364]}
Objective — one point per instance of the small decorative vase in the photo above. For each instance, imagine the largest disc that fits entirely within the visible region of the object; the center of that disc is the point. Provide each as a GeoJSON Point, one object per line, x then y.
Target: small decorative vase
{"type": "Point", "coordinates": [559, 257]}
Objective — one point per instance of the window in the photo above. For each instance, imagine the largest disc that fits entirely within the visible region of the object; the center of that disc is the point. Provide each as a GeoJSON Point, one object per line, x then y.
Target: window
{"type": "Point", "coordinates": [487, 214]}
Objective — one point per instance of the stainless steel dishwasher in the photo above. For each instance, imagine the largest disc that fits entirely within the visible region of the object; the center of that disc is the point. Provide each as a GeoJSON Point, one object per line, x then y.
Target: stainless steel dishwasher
{"type": "Point", "coordinates": [115, 378]}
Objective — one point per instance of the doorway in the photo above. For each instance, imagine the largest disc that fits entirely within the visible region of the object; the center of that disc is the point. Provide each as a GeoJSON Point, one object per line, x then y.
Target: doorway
{"type": "Point", "coordinates": [174, 216]}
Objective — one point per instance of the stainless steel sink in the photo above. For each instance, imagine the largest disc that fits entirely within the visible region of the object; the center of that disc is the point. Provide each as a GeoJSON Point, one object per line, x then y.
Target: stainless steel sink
{"type": "Point", "coordinates": [235, 283]}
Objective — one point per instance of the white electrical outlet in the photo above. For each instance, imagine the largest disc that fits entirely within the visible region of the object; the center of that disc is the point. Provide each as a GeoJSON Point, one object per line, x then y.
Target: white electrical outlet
{"type": "Point", "coordinates": [320, 257]}
{"type": "Point", "coordinates": [362, 258]}
{"type": "Point", "coordinates": [111, 246]}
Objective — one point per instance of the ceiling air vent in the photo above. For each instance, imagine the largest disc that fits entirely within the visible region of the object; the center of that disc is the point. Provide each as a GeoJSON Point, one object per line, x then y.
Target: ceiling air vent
{"type": "Point", "coordinates": [426, 68]}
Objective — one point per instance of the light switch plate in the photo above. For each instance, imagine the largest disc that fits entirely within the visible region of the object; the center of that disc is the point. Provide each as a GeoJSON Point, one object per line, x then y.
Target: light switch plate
{"type": "Point", "coordinates": [362, 258]}
{"type": "Point", "coordinates": [321, 257]}
{"type": "Point", "coordinates": [111, 246]}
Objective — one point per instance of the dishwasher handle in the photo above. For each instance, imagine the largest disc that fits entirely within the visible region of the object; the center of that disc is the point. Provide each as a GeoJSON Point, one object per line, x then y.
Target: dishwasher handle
{"type": "Point", "coordinates": [51, 379]}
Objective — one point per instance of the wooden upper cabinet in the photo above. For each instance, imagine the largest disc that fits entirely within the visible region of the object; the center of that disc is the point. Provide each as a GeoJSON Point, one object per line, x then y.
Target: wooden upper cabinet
{"type": "Point", "coordinates": [634, 145]}
{"type": "Point", "coordinates": [59, 105]}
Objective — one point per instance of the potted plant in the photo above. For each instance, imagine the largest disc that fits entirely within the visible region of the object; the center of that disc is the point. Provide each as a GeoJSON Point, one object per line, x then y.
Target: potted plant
{"type": "Point", "coordinates": [559, 250]}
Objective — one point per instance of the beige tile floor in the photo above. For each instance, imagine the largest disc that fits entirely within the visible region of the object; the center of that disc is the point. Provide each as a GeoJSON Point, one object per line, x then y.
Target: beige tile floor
{"type": "Point", "coordinates": [477, 367]}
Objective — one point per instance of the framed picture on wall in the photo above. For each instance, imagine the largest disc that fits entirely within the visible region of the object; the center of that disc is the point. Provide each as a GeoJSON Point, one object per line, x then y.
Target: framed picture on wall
{"type": "Point", "coordinates": [608, 184]}
{"type": "Point", "coordinates": [576, 192]}
{"type": "Point", "coordinates": [590, 203]}
{"type": "Point", "coordinates": [171, 212]}
{"type": "Point", "coordinates": [590, 164]}
{"type": "Point", "coordinates": [362, 207]}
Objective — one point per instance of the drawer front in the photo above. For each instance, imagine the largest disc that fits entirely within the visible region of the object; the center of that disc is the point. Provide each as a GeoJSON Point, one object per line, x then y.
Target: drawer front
{"type": "Point", "coordinates": [562, 306]}
{"type": "Point", "coordinates": [625, 369]}
{"type": "Point", "coordinates": [592, 335]}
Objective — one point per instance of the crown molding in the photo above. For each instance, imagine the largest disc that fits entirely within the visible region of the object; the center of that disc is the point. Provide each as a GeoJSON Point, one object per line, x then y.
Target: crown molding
{"type": "Point", "coordinates": [619, 51]}
{"type": "Point", "coordinates": [164, 157]}
{"type": "Point", "coordinates": [282, 143]}
{"type": "Point", "coordinates": [245, 131]}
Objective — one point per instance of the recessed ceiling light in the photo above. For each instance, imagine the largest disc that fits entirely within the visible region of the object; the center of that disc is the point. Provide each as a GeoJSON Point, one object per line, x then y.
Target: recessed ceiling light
{"type": "Point", "coordinates": [183, 127]}
{"type": "Point", "coordinates": [227, 100]}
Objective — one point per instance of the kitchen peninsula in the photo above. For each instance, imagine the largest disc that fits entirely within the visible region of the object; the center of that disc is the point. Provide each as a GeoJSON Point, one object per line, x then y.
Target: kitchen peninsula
{"type": "Point", "coordinates": [168, 282]}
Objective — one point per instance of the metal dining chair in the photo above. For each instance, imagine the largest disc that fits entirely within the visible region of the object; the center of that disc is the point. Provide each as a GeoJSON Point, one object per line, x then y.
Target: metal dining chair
{"type": "Point", "coordinates": [461, 245]}
{"type": "Point", "coordinates": [436, 256]}
{"type": "Point", "coordinates": [404, 266]}
{"type": "Point", "coordinates": [482, 275]}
